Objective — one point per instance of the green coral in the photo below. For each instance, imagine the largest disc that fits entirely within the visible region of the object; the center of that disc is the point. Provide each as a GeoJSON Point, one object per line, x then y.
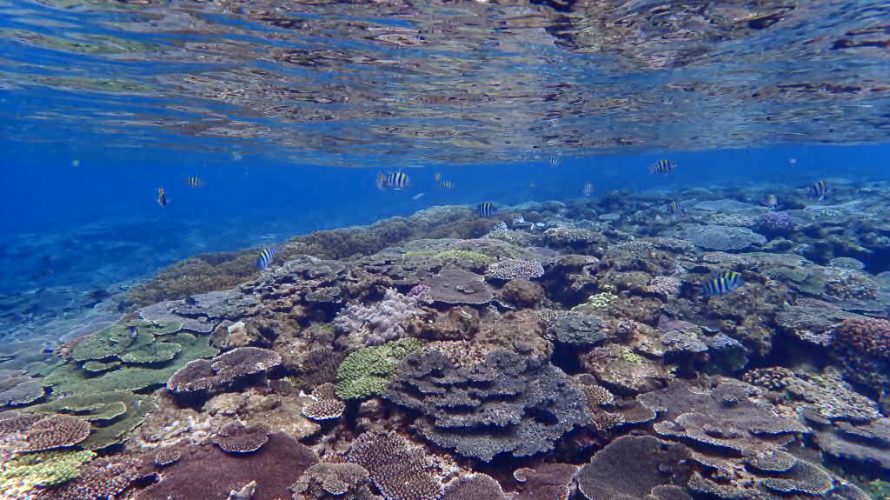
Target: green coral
{"type": "Point", "coordinates": [20, 476]}
{"type": "Point", "coordinates": [366, 372]}
{"type": "Point", "coordinates": [112, 414]}
{"type": "Point", "coordinates": [100, 366]}
{"type": "Point", "coordinates": [155, 352]}
{"type": "Point", "coordinates": [631, 357]}
{"type": "Point", "coordinates": [71, 379]}
{"type": "Point", "coordinates": [104, 344]}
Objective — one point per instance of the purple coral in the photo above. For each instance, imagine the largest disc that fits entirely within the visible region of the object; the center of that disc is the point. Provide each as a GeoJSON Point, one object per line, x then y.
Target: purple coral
{"type": "Point", "coordinates": [775, 223]}
{"type": "Point", "coordinates": [381, 321]}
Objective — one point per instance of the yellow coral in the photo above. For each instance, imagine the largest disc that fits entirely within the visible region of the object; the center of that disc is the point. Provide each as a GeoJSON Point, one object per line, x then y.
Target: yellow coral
{"type": "Point", "coordinates": [21, 475]}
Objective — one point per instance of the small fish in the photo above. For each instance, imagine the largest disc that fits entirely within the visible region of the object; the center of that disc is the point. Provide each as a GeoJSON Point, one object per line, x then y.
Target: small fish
{"type": "Point", "coordinates": [554, 160]}
{"type": "Point", "coordinates": [193, 181]}
{"type": "Point", "coordinates": [819, 189]}
{"type": "Point", "coordinates": [396, 181]}
{"type": "Point", "coordinates": [486, 209]}
{"type": "Point", "coordinates": [437, 177]}
{"type": "Point", "coordinates": [236, 156]}
{"type": "Point", "coordinates": [267, 255]}
{"type": "Point", "coordinates": [418, 196]}
{"type": "Point", "coordinates": [446, 185]}
{"type": "Point", "coordinates": [587, 189]}
{"type": "Point", "coordinates": [162, 197]}
{"type": "Point", "coordinates": [722, 284]}
{"type": "Point", "coordinates": [792, 162]}
{"type": "Point", "coordinates": [75, 163]}
{"type": "Point", "coordinates": [663, 167]}
{"type": "Point", "coordinates": [771, 201]}
{"type": "Point", "coordinates": [132, 331]}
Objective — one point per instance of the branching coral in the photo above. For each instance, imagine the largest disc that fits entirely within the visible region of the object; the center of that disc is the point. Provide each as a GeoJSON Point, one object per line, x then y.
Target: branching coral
{"type": "Point", "coordinates": [397, 469]}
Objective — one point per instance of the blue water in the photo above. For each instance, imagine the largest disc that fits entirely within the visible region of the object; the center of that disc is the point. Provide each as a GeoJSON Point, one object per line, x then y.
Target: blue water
{"type": "Point", "coordinates": [64, 222]}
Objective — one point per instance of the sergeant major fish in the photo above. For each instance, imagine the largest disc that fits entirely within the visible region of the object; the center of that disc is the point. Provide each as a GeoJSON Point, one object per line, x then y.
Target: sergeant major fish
{"type": "Point", "coordinates": [396, 181]}
{"type": "Point", "coordinates": [721, 284]}
{"type": "Point", "coordinates": [267, 255]}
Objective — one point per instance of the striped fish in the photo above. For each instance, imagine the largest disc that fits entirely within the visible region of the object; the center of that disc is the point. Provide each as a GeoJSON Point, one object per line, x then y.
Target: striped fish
{"type": "Point", "coordinates": [267, 255]}
{"type": "Point", "coordinates": [162, 197]}
{"type": "Point", "coordinates": [446, 185]}
{"type": "Point", "coordinates": [722, 284]}
{"type": "Point", "coordinates": [675, 208]}
{"type": "Point", "coordinates": [771, 201]}
{"type": "Point", "coordinates": [396, 181]}
{"type": "Point", "coordinates": [819, 189]}
{"type": "Point", "coordinates": [587, 189]}
{"type": "Point", "coordinates": [554, 160]}
{"type": "Point", "coordinates": [663, 167]}
{"type": "Point", "coordinates": [486, 209]}
{"type": "Point", "coordinates": [193, 181]}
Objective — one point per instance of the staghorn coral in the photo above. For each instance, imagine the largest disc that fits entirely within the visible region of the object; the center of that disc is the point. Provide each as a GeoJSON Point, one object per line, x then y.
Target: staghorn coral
{"type": "Point", "coordinates": [382, 321]}
{"type": "Point", "coordinates": [398, 471]}
{"type": "Point", "coordinates": [329, 481]}
{"type": "Point", "coordinates": [365, 373]}
{"type": "Point", "coordinates": [509, 403]}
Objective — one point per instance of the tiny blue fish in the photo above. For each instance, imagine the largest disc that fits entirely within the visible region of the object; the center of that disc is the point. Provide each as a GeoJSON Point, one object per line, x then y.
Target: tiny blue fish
{"type": "Point", "coordinates": [819, 189]}
{"type": "Point", "coordinates": [722, 284]}
{"type": "Point", "coordinates": [267, 255]}
{"type": "Point", "coordinates": [132, 331]}
{"type": "Point", "coordinates": [663, 167]}
{"type": "Point", "coordinates": [486, 209]}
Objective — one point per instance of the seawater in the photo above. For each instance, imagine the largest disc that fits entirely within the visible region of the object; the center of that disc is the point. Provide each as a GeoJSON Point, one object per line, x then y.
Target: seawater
{"type": "Point", "coordinates": [289, 111]}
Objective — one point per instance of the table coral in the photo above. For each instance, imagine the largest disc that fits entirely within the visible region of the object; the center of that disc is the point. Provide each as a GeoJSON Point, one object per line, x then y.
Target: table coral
{"type": "Point", "coordinates": [507, 404]}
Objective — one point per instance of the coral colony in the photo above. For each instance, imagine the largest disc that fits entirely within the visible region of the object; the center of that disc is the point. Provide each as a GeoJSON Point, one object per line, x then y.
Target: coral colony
{"type": "Point", "coordinates": [456, 359]}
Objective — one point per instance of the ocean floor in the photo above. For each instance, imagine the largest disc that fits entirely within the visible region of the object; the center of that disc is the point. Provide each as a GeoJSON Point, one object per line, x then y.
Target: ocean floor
{"type": "Point", "coordinates": [553, 350]}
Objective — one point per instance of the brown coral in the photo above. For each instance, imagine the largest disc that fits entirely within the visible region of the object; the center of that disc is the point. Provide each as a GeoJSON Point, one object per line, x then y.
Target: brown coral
{"type": "Point", "coordinates": [396, 469]}
{"type": "Point", "coordinates": [57, 431]}
{"type": "Point", "coordinates": [870, 336]}
{"type": "Point", "coordinates": [237, 438]}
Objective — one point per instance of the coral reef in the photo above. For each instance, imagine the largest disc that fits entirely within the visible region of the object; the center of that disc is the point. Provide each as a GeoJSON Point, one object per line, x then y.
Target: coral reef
{"type": "Point", "coordinates": [366, 372]}
{"type": "Point", "coordinates": [397, 469]}
{"type": "Point", "coordinates": [505, 404]}
{"type": "Point", "coordinates": [565, 352]}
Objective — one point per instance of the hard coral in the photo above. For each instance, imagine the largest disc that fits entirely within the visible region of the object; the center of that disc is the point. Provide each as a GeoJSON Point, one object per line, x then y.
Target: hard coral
{"type": "Point", "coordinates": [381, 321]}
{"type": "Point", "coordinates": [366, 372]}
{"type": "Point", "coordinates": [775, 224]}
{"type": "Point", "coordinates": [329, 481]}
{"type": "Point", "coordinates": [474, 487]}
{"type": "Point", "coordinates": [324, 404]}
{"type": "Point", "coordinates": [868, 336]}
{"type": "Point", "coordinates": [101, 478]}
{"type": "Point", "coordinates": [57, 431]}
{"type": "Point", "coordinates": [545, 481]}
{"type": "Point", "coordinates": [237, 438]}
{"type": "Point", "coordinates": [21, 476]}
{"type": "Point", "coordinates": [631, 467]}
{"type": "Point", "coordinates": [396, 469]}
{"type": "Point", "coordinates": [456, 286]}
{"type": "Point", "coordinates": [509, 403]}
{"type": "Point", "coordinates": [205, 471]}
{"type": "Point", "coordinates": [511, 269]}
